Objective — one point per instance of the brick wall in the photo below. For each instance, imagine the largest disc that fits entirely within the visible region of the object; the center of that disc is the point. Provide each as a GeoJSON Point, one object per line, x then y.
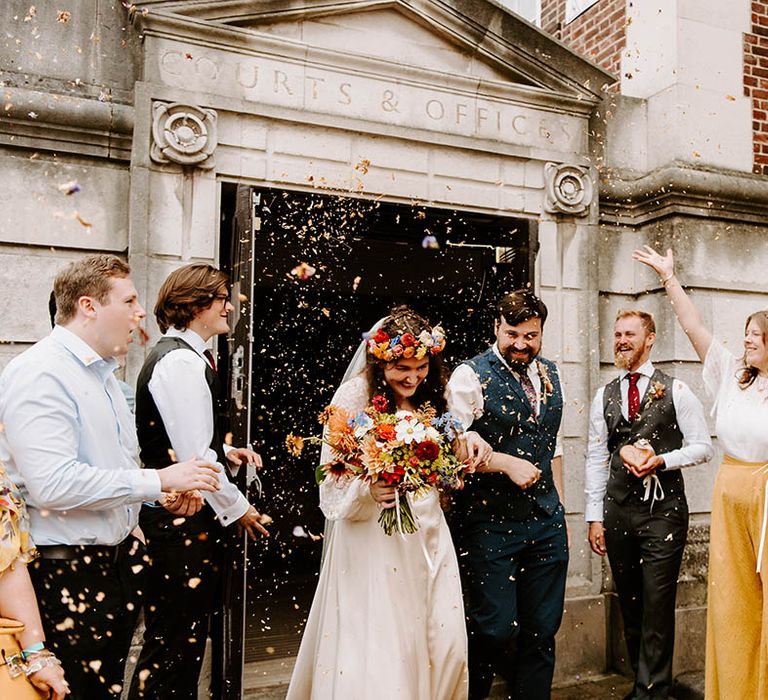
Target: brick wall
{"type": "Point", "coordinates": [756, 83]}
{"type": "Point", "coordinates": [598, 33]}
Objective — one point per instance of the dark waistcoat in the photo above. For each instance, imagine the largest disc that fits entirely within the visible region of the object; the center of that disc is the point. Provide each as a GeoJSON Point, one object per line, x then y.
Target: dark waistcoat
{"type": "Point", "coordinates": [656, 422]}
{"type": "Point", "coordinates": [154, 443]}
{"type": "Point", "coordinates": [509, 424]}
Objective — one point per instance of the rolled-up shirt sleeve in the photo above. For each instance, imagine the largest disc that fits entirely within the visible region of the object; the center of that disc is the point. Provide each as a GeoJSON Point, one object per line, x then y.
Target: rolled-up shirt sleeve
{"type": "Point", "coordinates": [41, 429]}
{"type": "Point", "coordinates": [465, 395]}
{"type": "Point", "coordinates": [697, 443]}
{"type": "Point", "coordinates": [597, 468]}
{"type": "Point", "coordinates": [184, 401]}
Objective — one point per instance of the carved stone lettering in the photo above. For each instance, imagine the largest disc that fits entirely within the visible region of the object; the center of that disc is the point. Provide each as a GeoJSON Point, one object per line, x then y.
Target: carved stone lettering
{"type": "Point", "coordinates": [262, 80]}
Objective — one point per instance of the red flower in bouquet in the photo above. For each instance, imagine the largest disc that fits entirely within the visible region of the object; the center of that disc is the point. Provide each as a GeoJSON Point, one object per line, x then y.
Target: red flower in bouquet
{"type": "Point", "coordinates": [380, 403]}
{"type": "Point", "coordinates": [408, 339]}
{"type": "Point", "coordinates": [393, 477]}
{"type": "Point", "coordinates": [427, 451]}
{"type": "Point", "coordinates": [381, 337]}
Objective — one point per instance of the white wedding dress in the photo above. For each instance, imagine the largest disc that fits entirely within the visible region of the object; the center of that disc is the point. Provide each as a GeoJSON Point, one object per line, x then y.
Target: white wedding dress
{"type": "Point", "coordinates": [384, 624]}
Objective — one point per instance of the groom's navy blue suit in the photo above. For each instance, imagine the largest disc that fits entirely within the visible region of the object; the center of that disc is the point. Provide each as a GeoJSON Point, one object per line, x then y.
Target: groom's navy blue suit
{"type": "Point", "coordinates": [512, 543]}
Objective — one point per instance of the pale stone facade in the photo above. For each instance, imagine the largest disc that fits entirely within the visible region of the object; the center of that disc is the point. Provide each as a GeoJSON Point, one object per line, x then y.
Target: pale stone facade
{"type": "Point", "coordinates": [457, 104]}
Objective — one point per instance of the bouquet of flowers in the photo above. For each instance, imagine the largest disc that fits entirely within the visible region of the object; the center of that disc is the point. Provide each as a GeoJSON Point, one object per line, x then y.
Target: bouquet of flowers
{"type": "Point", "coordinates": [409, 450]}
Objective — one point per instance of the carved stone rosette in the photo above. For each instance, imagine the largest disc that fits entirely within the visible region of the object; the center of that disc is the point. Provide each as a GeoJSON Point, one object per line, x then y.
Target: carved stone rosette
{"type": "Point", "coordinates": [568, 189]}
{"type": "Point", "coordinates": [183, 134]}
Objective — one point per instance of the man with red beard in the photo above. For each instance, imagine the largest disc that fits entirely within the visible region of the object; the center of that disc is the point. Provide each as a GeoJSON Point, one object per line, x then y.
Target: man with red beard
{"type": "Point", "coordinates": [636, 505]}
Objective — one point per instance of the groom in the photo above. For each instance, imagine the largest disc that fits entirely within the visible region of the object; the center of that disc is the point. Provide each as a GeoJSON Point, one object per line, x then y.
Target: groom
{"type": "Point", "coordinates": [510, 525]}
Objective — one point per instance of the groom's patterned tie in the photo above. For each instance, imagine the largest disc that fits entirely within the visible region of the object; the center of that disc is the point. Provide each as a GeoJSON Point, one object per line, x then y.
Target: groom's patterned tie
{"type": "Point", "coordinates": [633, 396]}
{"type": "Point", "coordinates": [530, 392]}
{"type": "Point", "coordinates": [209, 356]}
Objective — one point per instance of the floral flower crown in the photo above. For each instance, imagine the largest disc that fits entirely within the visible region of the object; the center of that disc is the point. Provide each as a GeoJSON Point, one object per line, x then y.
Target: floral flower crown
{"type": "Point", "coordinates": [389, 348]}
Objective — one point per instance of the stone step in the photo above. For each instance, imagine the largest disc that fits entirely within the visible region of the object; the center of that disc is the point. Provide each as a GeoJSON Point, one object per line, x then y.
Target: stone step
{"type": "Point", "coordinates": [268, 680]}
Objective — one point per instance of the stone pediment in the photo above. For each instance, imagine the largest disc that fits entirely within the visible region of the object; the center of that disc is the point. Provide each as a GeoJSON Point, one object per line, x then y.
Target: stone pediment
{"type": "Point", "coordinates": [475, 40]}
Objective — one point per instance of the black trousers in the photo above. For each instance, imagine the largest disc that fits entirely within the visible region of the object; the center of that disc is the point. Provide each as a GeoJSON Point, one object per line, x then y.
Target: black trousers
{"type": "Point", "coordinates": [645, 550]}
{"type": "Point", "coordinates": [185, 564]}
{"type": "Point", "coordinates": [89, 604]}
{"type": "Point", "coordinates": [514, 578]}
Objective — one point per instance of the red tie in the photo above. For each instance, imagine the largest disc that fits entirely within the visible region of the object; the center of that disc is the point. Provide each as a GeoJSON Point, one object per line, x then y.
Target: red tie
{"type": "Point", "coordinates": [209, 356]}
{"type": "Point", "coordinates": [634, 395]}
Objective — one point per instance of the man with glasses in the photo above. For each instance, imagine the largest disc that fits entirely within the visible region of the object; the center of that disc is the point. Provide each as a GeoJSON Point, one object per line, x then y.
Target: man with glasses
{"type": "Point", "coordinates": [179, 412]}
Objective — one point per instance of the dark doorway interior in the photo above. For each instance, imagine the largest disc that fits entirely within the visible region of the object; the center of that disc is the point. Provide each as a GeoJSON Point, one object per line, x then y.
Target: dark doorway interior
{"type": "Point", "coordinates": [369, 255]}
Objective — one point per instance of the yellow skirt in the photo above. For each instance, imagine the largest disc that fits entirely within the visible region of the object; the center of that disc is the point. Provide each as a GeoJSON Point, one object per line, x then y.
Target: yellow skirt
{"type": "Point", "coordinates": [737, 610]}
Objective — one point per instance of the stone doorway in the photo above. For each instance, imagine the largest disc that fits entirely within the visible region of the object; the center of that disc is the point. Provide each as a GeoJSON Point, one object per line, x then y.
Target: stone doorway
{"type": "Point", "coordinates": [368, 254]}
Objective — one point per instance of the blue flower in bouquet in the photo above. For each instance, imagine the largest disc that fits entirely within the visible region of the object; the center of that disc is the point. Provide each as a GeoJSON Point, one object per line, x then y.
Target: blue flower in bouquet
{"type": "Point", "coordinates": [449, 424]}
{"type": "Point", "coordinates": [361, 424]}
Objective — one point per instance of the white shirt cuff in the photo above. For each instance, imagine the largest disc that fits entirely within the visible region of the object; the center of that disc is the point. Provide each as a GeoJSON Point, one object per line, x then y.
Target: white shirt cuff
{"type": "Point", "coordinates": [594, 512]}
{"type": "Point", "coordinates": [148, 481]}
{"type": "Point", "coordinates": [231, 514]}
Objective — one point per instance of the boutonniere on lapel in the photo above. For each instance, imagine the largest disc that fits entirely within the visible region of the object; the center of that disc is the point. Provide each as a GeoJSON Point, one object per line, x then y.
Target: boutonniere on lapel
{"type": "Point", "coordinates": [546, 383]}
{"type": "Point", "coordinates": [655, 392]}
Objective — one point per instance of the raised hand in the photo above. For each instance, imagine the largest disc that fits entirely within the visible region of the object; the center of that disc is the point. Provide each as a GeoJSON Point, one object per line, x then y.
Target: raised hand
{"type": "Point", "coordinates": [663, 264]}
{"type": "Point", "coordinates": [689, 318]}
{"type": "Point", "coordinates": [190, 475]}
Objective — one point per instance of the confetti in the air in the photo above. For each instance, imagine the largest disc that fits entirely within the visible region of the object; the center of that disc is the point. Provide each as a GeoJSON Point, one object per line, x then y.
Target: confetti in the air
{"type": "Point", "coordinates": [303, 271]}
{"type": "Point", "coordinates": [363, 166]}
{"type": "Point", "coordinates": [69, 187]}
{"type": "Point", "coordinates": [82, 221]}
{"type": "Point", "coordinates": [430, 242]}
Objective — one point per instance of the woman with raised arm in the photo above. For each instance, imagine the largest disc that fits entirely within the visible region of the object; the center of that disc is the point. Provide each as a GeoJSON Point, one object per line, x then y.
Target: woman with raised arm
{"type": "Point", "coordinates": [387, 620]}
{"type": "Point", "coordinates": [737, 613]}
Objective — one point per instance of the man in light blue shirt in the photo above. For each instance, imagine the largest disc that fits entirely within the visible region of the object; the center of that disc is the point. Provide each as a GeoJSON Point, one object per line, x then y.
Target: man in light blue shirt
{"type": "Point", "coordinates": [69, 443]}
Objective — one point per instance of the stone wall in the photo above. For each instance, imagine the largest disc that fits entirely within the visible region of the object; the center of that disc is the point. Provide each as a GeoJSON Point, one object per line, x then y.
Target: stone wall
{"type": "Point", "coordinates": [66, 120]}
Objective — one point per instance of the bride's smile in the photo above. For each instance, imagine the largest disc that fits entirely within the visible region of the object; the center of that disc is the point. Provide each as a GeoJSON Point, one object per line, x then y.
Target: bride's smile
{"type": "Point", "coordinates": [405, 375]}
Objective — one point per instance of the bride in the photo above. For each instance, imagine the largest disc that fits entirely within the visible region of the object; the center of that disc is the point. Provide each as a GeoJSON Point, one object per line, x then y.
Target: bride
{"type": "Point", "coordinates": [387, 620]}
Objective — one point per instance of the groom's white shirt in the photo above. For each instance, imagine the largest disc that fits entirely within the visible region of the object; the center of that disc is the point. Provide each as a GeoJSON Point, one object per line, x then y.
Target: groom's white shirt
{"type": "Point", "coordinates": [465, 394]}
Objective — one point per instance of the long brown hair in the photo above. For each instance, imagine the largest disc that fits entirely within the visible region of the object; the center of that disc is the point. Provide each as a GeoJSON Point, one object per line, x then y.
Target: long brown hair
{"type": "Point", "coordinates": [748, 374]}
{"type": "Point", "coordinates": [403, 319]}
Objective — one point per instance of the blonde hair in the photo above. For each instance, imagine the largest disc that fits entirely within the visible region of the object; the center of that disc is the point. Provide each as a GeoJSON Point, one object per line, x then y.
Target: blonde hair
{"type": "Point", "coordinates": [646, 319]}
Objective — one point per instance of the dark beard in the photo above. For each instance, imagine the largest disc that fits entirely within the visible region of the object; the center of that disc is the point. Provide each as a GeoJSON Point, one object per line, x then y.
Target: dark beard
{"type": "Point", "coordinates": [517, 364]}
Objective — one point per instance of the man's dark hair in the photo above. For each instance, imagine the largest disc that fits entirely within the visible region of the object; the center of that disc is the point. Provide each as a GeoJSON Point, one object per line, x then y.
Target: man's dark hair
{"type": "Point", "coordinates": [520, 305]}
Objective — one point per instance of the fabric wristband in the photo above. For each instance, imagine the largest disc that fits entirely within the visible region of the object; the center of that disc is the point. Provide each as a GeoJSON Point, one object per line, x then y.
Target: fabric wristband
{"type": "Point", "coordinates": [37, 646]}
